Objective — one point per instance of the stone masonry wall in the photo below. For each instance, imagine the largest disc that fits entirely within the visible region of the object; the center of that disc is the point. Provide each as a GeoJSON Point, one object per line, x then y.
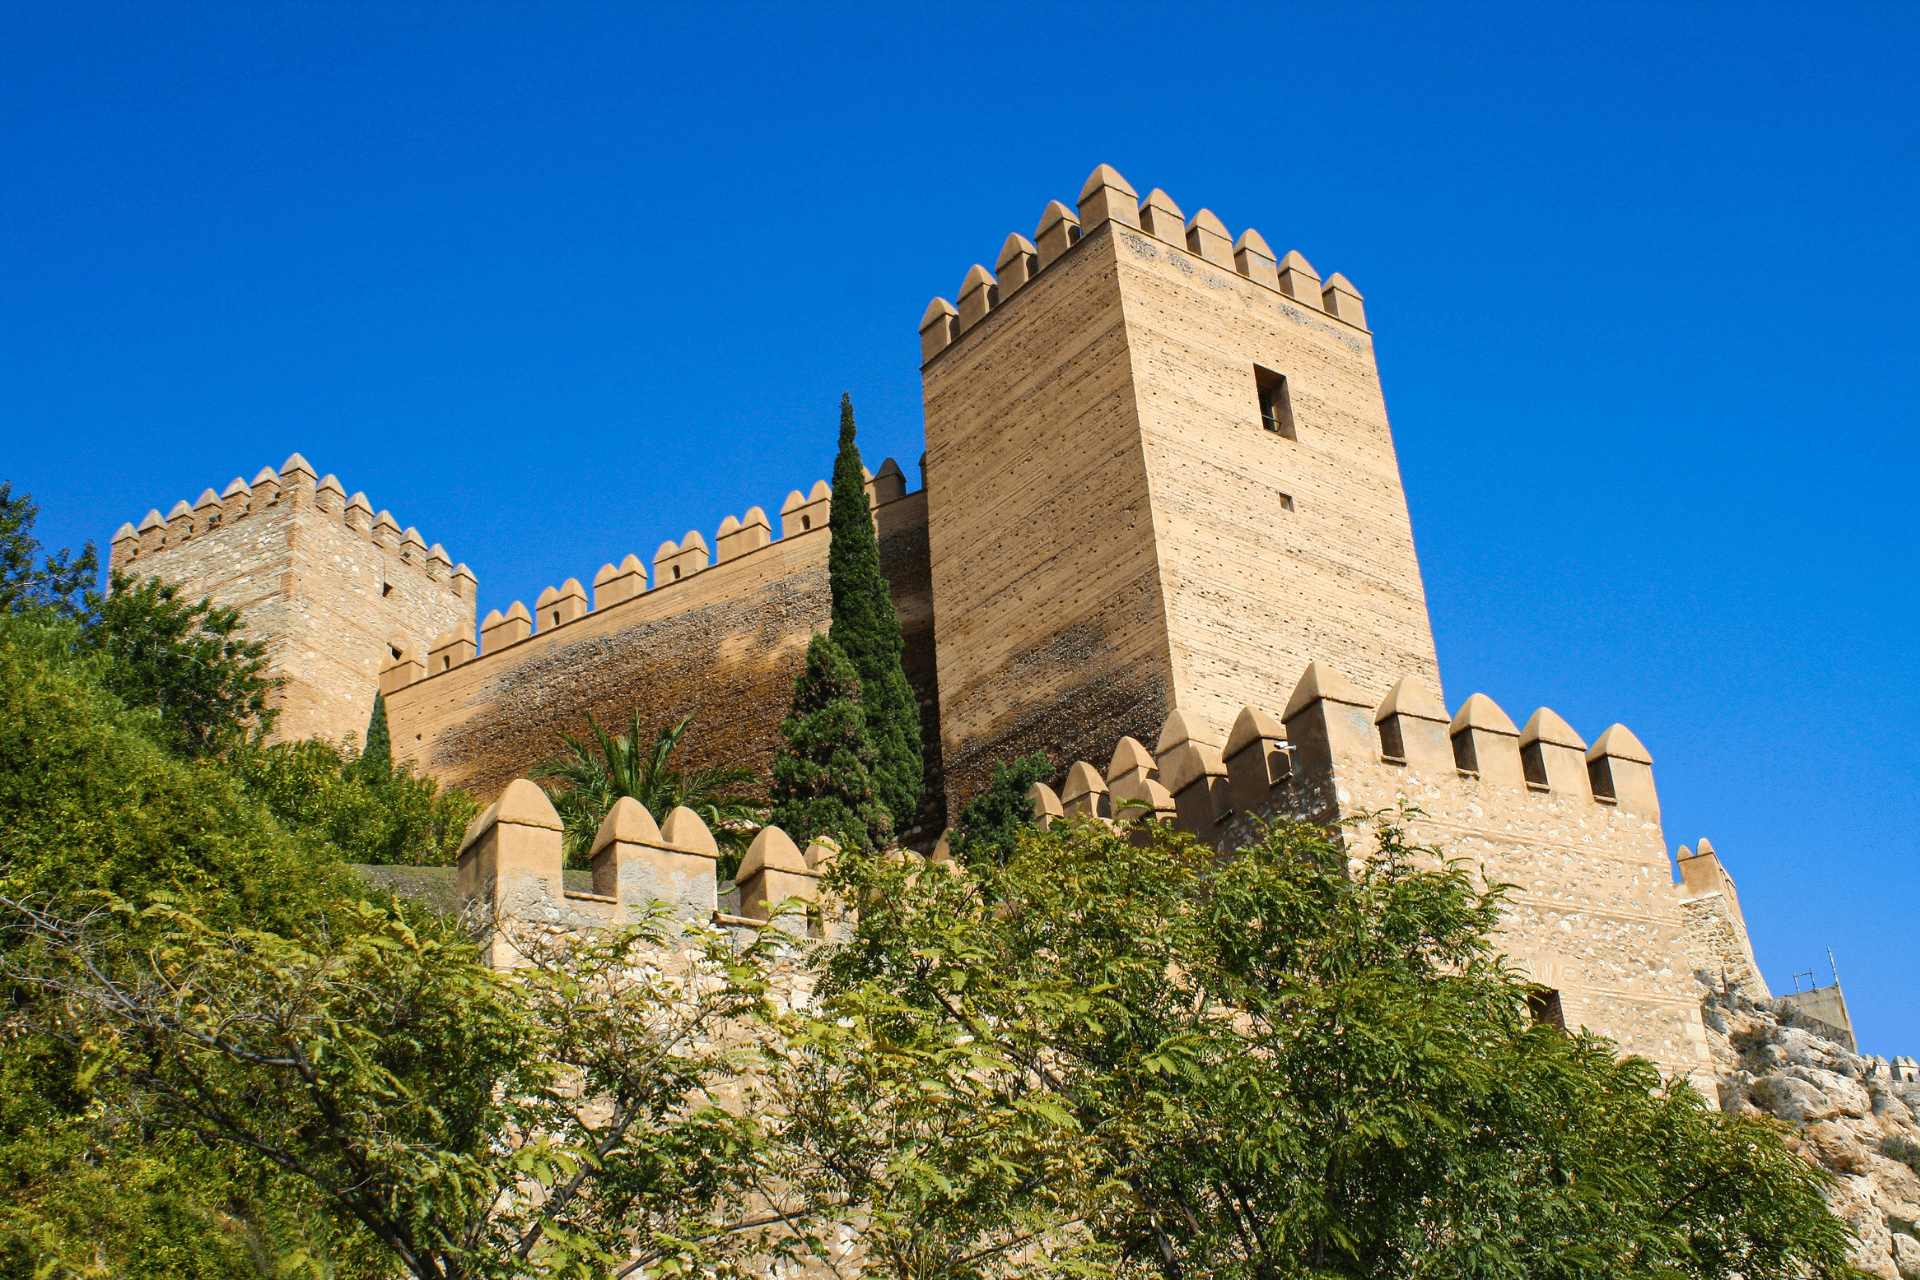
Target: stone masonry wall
{"type": "Point", "coordinates": [319, 576]}
{"type": "Point", "coordinates": [723, 644]}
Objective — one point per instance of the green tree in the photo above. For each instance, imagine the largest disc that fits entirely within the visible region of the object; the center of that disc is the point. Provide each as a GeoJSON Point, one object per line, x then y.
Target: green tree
{"type": "Point", "coordinates": [190, 661]}
{"type": "Point", "coordinates": [598, 770]}
{"type": "Point", "coordinates": [557, 1120]}
{"type": "Point", "coordinates": [375, 765]}
{"type": "Point", "coordinates": [57, 583]}
{"type": "Point", "coordinates": [824, 773]}
{"type": "Point", "coordinates": [324, 796]}
{"type": "Point", "coordinates": [991, 824]}
{"type": "Point", "coordinates": [92, 807]}
{"type": "Point", "coordinates": [867, 629]}
{"type": "Point", "coordinates": [1118, 1052]}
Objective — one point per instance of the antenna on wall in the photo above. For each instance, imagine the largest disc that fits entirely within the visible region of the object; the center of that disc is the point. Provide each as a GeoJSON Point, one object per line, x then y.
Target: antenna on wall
{"type": "Point", "coordinates": [1835, 967]}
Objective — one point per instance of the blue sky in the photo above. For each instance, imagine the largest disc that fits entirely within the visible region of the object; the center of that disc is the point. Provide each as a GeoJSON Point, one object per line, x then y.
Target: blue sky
{"type": "Point", "coordinates": [557, 282]}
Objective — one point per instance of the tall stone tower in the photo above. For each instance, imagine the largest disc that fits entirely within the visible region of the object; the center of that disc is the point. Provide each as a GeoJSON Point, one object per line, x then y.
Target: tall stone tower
{"type": "Point", "coordinates": [1160, 475]}
{"type": "Point", "coordinates": [339, 593]}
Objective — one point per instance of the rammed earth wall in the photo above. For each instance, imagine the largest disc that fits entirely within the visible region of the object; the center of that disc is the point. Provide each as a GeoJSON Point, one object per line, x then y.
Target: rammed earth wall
{"type": "Point", "coordinates": [722, 644]}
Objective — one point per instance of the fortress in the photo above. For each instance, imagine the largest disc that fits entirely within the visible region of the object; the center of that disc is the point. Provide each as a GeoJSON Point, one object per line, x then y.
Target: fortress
{"type": "Point", "coordinates": [1160, 526]}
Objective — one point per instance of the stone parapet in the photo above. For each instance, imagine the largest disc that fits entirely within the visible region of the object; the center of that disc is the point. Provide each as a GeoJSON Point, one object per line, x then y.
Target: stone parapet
{"type": "Point", "coordinates": [1593, 913]}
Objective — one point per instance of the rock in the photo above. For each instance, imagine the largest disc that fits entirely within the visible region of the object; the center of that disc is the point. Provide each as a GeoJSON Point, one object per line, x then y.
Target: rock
{"type": "Point", "coordinates": [1792, 1099]}
{"type": "Point", "coordinates": [1906, 1255]}
{"type": "Point", "coordinates": [1844, 1115]}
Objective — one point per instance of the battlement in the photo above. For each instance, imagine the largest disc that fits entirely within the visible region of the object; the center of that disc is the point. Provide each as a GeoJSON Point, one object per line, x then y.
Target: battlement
{"type": "Point", "coordinates": [1593, 915]}
{"type": "Point", "coordinates": [1292, 765]}
{"type": "Point", "coordinates": [1108, 197]}
{"type": "Point", "coordinates": [276, 492]}
{"type": "Point", "coordinates": [510, 872]}
{"type": "Point", "coordinates": [674, 563]}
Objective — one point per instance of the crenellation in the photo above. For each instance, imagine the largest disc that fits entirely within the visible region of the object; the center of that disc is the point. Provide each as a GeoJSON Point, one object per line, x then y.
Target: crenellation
{"type": "Point", "coordinates": [1552, 756]}
{"type": "Point", "coordinates": [979, 294]}
{"type": "Point", "coordinates": [1342, 301]}
{"type": "Point", "coordinates": [1299, 281]}
{"type": "Point", "coordinates": [1485, 742]}
{"type": "Point", "coordinates": [1413, 726]}
{"type": "Point", "coordinates": [439, 564]}
{"type": "Point", "coordinates": [386, 531]}
{"type": "Point", "coordinates": [1593, 911]}
{"type": "Point", "coordinates": [747, 533]}
{"type": "Point", "coordinates": [1161, 218]}
{"type": "Point", "coordinates": [612, 585]}
{"type": "Point", "coordinates": [804, 513]}
{"type": "Point", "coordinates": [1106, 195]}
{"type": "Point", "coordinates": [1207, 237]}
{"type": "Point", "coordinates": [557, 606]}
{"type": "Point", "coordinates": [1058, 231]}
{"type": "Point", "coordinates": [358, 515]}
{"type": "Point", "coordinates": [938, 328]}
{"type": "Point", "coordinates": [1018, 263]}
{"type": "Point", "coordinates": [1254, 260]}
{"type": "Point", "coordinates": [330, 497]}
{"type": "Point", "coordinates": [450, 649]}
{"type": "Point", "coordinates": [236, 500]}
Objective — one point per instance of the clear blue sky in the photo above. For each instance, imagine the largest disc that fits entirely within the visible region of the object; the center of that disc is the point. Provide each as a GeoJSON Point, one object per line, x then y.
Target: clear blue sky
{"type": "Point", "coordinates": [555, 282]}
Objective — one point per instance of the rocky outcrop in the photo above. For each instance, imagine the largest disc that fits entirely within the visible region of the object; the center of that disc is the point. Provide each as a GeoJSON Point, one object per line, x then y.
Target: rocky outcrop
{"type": "Point", "coordinates": [1849, 1118]}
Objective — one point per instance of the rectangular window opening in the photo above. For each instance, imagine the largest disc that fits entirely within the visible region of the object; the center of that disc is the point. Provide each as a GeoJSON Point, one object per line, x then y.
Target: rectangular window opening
{"type": "Point", "coordinates": [1276, 403]}
{"type": "Point", "coordinates": [386, 589]}
{"type": "Point", "coordinates": [1286, 502]}
{"type": "Point", "coordinates": [1544, 1005]}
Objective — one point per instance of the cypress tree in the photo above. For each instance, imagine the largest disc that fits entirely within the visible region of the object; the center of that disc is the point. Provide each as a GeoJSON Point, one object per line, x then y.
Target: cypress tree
{"type": "Point", "coordinates": [867, 631]}
{"type": "Point", "coordinates": [823, 778]}
{"type": "Point", "coordinates": [376, 761]}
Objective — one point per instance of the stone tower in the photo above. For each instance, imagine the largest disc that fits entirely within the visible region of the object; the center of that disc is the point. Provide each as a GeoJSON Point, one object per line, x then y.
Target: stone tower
{"type": "Point", "coordinates": [1160, 476]}
{"type": "Point", "coordinates": [340, 594]}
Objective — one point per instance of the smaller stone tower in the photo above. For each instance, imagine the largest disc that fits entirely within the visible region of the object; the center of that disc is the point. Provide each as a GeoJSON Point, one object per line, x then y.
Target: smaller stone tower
{"type": "Point", "coordinates": [338, 592]}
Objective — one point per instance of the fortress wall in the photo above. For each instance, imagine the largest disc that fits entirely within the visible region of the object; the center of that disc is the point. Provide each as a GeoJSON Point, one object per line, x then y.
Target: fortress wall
{"type": "Point", "coordinates": [1254, 589]}
{"type": "Point", "coordinates": [319, 576]}
{"type": "Point", "coordinates": [1593, 914]}
{"type": "Point", "coordinates": [723, 642]}
{"type": "Point", "coordinates": [1042, 531]}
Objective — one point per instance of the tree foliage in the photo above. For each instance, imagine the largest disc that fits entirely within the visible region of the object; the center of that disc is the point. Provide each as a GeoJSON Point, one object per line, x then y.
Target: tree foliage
{"type": "Point", "coordinates": [991, 823]}
{"type": "Point", "coordinates": [1137, 1058]}
{"type": "Point", "coordinates": [824, 779]}
{"type": "Point", "coordinates": [57, 584]}
{"type": "Point", "coordinates": [556, 1120]}
{"type": "Point", "coordinates": [599, 769]}
{"type": "Point", "coordinates": [867, 629]}
{"type": "Point", "coordinates": [326, 795]}
{"type": "Point", "coordinates": [188, 660]}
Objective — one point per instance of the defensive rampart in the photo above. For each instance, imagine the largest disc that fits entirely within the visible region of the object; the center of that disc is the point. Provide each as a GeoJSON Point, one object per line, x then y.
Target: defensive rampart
{"type": "Point", "coordinates": [719, 634]}
{"type": "Point", "coordinates": [1594, 917]}
{"type": "Point", "coordinates": [326, 581]}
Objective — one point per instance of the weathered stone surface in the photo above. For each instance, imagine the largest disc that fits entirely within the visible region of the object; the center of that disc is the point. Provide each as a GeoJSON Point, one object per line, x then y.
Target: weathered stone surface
{"type": "Point", "coordinates": [1849, 1114]}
